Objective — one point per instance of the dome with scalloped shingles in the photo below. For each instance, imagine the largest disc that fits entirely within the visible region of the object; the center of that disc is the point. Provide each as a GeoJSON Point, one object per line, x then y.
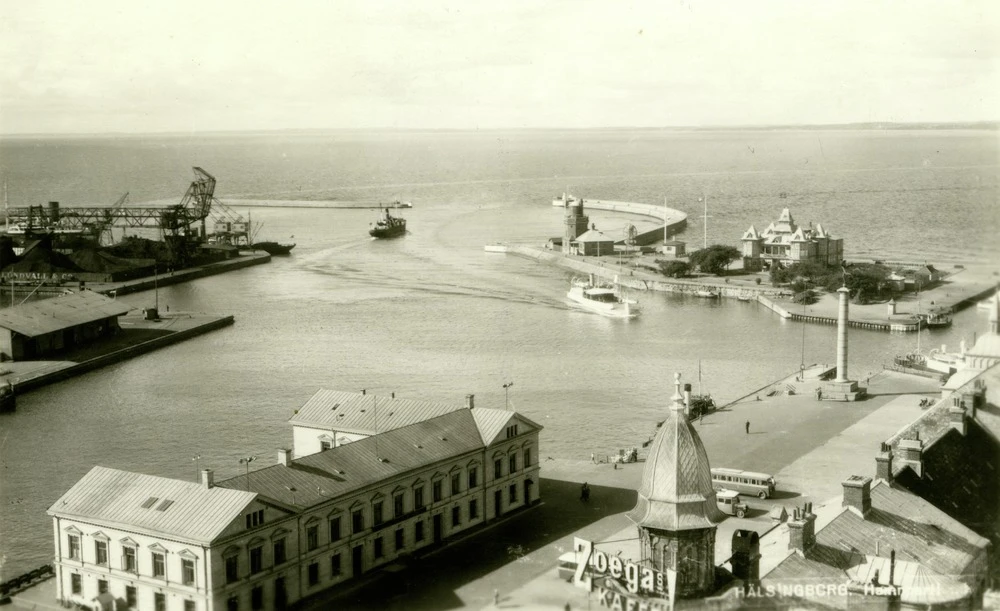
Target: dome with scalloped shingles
{"type": "Point", "coordinates": [676, 490]}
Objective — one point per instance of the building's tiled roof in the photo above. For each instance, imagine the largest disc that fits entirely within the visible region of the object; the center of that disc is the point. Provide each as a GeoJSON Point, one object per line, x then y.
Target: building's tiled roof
{"type": "Point", "coordinates": [986, 345]}
{"type": "Point", "coordinates": [356, 412]}
{"type": "Point", "coordinates": [989, 416]}
{"type": "Point", "coordinates": [903, 521]}
{"type": "Point", "coordinates": [48, 315]}
{"type": "Point", "coordinates": [492, 421]}
{"type": "Point", "coordinates": [593, 235]}
{"type": "Point", "coordinates": [676, 491]}
{"type": "Point", "coordinates": [751, 234]}
{"type": "Point", "coordinates": [315, 478]}
{"type": "Point", "coordinates": [184, 510]}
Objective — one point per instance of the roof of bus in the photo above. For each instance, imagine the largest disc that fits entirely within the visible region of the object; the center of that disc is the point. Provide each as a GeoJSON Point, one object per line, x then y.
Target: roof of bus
{"type": "Point", "coordinates": [725, 471]}
{"type": "Point", "coordinates": [726, 493]}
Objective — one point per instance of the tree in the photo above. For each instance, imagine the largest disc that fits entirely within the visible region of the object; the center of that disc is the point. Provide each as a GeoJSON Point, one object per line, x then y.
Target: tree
{"type": "Point", "coordinates": [864, 280]}
{"type": "Point", "coordinates": [674, 269]}
{"type": "Point", "coordinates": [715, 259]}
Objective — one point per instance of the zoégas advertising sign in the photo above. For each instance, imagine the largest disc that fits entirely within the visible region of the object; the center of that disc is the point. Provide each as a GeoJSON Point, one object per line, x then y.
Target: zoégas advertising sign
{"type": "Point", "coordinates": [636, 578]}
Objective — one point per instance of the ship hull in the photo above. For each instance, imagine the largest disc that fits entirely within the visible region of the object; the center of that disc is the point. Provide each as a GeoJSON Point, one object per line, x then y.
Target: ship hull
{"type": "Point", "coordinates": [273, 248]}
{"type": "Point", "coordinates": [387, 232]}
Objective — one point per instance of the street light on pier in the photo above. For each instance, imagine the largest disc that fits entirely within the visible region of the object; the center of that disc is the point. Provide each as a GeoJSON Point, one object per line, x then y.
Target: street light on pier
{"type": "Point", "coordinates": [506, 394]}
{"type": "Point", "coordinates": [247, 461]}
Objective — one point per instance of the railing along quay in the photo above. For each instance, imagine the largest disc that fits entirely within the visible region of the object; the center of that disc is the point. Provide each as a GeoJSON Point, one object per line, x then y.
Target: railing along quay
{"type": "Point", "coordinates": [13, 586]}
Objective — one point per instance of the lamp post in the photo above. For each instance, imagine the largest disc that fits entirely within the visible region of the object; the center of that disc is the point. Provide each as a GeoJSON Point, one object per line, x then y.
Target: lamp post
{"type": "Point", "coordinates": [197, 466]}
{"type": "Point", "coordinates": [247, 461]}
{"type": "Point", "coordinates": [506, 391]}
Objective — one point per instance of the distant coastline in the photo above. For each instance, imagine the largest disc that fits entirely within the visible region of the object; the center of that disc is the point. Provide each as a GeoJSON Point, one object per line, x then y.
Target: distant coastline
{"type": "Point", "coordinates": [867, 126]}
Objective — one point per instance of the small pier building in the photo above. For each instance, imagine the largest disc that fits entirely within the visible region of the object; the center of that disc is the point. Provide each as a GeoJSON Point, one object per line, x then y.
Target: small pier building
{"type": "Point", "coordinates": [44, 329]}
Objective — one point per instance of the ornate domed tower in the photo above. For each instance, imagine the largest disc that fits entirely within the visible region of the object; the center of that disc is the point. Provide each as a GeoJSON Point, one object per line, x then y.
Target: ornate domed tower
{"type": "Point", "coordinates": [676, 512]}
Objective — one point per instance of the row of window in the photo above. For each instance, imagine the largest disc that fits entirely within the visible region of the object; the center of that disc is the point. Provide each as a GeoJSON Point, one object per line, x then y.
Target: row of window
{"type": "Point", "coordinates": [256, 553]}
{"type": "Point", "coordinates": [131, 594]}
{"type": "Point", "coordinates": [129, 559]}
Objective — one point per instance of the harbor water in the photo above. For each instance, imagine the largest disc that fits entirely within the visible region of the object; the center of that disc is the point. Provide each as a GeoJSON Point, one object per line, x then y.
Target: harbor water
{"type": "Point", "coordinates": [431, 316]}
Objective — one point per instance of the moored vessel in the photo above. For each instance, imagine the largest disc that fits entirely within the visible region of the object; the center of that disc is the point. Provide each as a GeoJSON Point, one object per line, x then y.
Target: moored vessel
{"type": "Point", "coordinates": [387, 226]}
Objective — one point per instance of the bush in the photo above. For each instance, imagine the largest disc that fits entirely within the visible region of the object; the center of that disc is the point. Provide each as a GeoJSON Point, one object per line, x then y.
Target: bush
{"type": "Point", "coordinates": [674, 269]}
{"type": "Point", "coordinates": [715, 259]}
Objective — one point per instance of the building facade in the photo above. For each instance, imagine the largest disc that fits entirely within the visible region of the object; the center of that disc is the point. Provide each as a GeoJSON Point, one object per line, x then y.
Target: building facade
{"type": "Point", "coordinates": [272, 537]}
{"type": "Point", "coordinates": [784, 243]}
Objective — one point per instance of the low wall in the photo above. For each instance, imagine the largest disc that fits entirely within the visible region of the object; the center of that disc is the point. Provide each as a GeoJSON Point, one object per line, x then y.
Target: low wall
{"type": "Point", "coordinates": [674, 220]}
{"type": "Point", "coordinates": [635, 279]}
{"type": "Point", "coordinates": [211, 269]}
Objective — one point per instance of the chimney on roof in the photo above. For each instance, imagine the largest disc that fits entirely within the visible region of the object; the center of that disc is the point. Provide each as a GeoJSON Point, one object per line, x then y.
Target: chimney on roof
{"type": "Point", "coordinates": [910, 451]}
{"type": "Point", "coordinates": [207, 479]}
{"type": "Point", "coordinates": [364, 391]}
{"type": "Point", "coordinates": [802, 529]}
{"type": "Point", "coordinates": [956, 416]}
{"type": "Point", "coordinates": [883, 463]}
{"type": "Point", "coordinates": [858, 493]}
{"type": "Point", "coordinates": [470, 401]}
{"type": "Point", "coordinates": [284, 456]}
{"type": "Point", "coordinates": [394, 395]}
{"type": "Point", "coordinates": [746, 558]}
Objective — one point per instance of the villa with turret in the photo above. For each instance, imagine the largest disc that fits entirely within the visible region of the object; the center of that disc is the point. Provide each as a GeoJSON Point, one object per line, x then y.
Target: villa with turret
{"type": "Point", "coordinates": [786, 243]}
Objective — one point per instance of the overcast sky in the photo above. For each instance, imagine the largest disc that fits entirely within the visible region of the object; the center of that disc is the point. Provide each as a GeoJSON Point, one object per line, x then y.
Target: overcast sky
{"type": "Point", "coordinates": [100, 66]}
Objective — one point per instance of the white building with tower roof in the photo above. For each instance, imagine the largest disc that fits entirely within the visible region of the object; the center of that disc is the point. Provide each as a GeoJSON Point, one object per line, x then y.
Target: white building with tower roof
{"type": "Point", "coordinates": [784, 243]}
{"type": "Point", "coordinates": [269, 538]}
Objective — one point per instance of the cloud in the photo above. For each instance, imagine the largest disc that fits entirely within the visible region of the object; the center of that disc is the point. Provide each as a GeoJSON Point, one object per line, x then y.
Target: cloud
{"type": "Point", "coordinates": [270, 65]}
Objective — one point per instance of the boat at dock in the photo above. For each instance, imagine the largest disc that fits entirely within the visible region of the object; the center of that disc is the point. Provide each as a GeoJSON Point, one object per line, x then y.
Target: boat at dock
{"type": "Point", "coordinates": [397, 204]}
{"type": "Point", "coordinates": [708, 294]}
{"type": "Point", "coordinates": [602, 298]}
{"type": "Point", "coordinates": [387, 226]}
{"type": "Point", "coordinates": [935, 319]}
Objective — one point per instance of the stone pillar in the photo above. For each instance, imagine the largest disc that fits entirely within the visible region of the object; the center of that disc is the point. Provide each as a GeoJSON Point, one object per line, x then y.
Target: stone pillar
{"type": "Point", "coordinates": [844, 293]}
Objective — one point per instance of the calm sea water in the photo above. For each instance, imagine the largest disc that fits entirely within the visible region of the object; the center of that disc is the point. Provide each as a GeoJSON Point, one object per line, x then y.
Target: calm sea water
{"type": "Point", "coordinates": [431, 316]}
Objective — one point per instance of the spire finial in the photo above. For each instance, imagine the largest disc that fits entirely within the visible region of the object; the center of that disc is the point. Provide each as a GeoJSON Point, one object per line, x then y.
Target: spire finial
{"type": "Point", "coordinates": [678, 398]}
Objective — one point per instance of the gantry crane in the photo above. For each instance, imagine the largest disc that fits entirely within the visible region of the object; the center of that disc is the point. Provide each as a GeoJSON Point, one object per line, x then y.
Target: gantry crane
{"type": "Point", "coordinates": [174, 221]}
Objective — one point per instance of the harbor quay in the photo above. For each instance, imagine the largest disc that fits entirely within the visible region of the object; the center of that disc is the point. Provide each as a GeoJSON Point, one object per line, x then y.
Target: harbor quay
{"type": "Point", "coordinates": [89, 331]}
{"type": "Point", "coordinates": [138, 335]}
{"type": "Point", "coordinates": [958, 291]}
{"type": "Point", "coordinates": [807, 444]}
{"type": "Point", "coordinates": [167, 278]}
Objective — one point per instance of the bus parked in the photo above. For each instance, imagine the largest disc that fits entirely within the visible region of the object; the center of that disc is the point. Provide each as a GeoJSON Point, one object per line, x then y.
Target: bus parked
{"type": "Point", "coordinates": [747, 482]}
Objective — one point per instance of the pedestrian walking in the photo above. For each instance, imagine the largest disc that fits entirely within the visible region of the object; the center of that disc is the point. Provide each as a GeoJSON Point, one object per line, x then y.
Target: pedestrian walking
{"type": "Point", "coordinates": [496, 597]}
{"type": "Point", "coordinates": [748, 427]}
{"type": "Point", "coordinates": [592, 459]}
